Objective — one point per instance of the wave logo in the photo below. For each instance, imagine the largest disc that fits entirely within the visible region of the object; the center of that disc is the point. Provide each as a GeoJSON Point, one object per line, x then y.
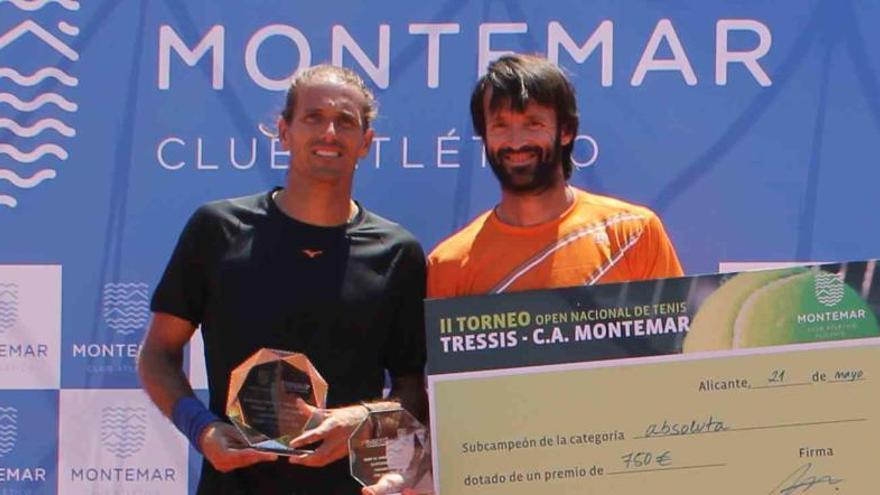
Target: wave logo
{"type": "Point", "coordinates": [126, 306]}
{"type": "Point", "coordinates": [123, 430]}
{"type": "Point", "coordinates": [8, 429]}
{"type": "Point", "coordinates": [17, 112]}
{"type": "Point", "coordinates": [829, 288]}
{"type": "Point", "coordinates": [8, 305]}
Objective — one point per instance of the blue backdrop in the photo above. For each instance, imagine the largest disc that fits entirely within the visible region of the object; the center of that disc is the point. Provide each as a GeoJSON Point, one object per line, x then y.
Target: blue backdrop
{"type": "Point", "coordinates": [751, 127]}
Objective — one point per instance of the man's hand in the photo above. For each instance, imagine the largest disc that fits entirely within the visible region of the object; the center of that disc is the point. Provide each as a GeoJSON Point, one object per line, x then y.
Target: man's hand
{"type": "Point", "coordinates": [334, 430]}
{"type": "Point", "coordinates": [224, 448]}
{"type": "Point", "coordinates": [387, 484]}
{"type": "Point", "coordinates": [390, 484]}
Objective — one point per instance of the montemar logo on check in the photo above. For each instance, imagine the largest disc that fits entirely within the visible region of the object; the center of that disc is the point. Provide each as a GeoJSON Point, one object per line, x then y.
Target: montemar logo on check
{"type": "Point", "coordinates": [843, 303]}
{"type": "Point", "coordinates": [829, 288]}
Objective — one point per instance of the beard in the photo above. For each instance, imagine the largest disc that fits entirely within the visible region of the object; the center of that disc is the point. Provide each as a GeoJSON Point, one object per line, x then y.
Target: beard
{"type": "Point", "coordinates": [532, 178]}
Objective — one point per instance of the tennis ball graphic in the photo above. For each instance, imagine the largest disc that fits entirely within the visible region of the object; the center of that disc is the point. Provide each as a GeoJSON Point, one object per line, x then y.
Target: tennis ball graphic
{"type": "Point", "coordinates": [712, 326]}
{"type": "Point", "coordinates": [788, 306]}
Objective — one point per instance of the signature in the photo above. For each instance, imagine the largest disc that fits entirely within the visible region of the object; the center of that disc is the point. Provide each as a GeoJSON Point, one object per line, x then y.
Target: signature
{"type": "Point", "coordinates": [801, 481]}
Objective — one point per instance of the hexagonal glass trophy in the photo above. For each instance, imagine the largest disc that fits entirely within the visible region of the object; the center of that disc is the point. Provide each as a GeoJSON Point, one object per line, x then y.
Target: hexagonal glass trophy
{"type": "Point", "coordinates": [392, 450]}
{"type": "Point", "coordinates": [273, 397]}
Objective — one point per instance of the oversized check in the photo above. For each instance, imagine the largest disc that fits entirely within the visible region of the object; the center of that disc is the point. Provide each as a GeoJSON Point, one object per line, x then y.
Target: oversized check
{"type": "Point", "coordinates": [757, 383]}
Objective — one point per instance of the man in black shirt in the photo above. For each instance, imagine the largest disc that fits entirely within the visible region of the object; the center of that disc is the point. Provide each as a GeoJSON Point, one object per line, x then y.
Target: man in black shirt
{"type": "Point", "coordinates": [305, 269]}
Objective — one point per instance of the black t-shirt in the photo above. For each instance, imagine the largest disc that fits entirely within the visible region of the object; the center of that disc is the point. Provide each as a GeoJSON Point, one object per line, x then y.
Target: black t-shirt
{"type": "Point", "coordinates": [349, 297]}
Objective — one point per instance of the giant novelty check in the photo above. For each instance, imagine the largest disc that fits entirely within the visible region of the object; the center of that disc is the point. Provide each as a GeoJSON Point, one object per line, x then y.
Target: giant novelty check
{"type": "Point", "coordinates": [753, 383]}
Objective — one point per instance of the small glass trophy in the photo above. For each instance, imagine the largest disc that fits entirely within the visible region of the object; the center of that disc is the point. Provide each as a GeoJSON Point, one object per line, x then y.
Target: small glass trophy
{"type": "Point", "coordinates": [392, 450]}
{"type": "Point", "coordinates": [273, 398]}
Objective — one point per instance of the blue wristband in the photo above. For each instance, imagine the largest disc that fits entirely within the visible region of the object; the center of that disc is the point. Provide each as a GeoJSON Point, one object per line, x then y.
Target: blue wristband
{"type": "Point", "coordinates": [191, 417]}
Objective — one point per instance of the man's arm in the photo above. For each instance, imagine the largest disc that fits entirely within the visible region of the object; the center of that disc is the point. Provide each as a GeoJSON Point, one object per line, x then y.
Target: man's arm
{"type": "Point", "coordinates": [160, 366]}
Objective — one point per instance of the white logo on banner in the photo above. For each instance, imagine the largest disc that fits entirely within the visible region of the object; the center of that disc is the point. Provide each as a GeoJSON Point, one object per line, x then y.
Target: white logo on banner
{"type": "Point", "coordinates": [8, 306]}
{"type": "Point", "coordinates": [116, 441]}
{"type": "Point", "coordinates": [52, 125]}
{"type": "Point", "coordinates": [126, 306]}
{"type": "Point", "coordinates": [123, 430]}
{"type": "Point", "coordinates": [8, 429]}
{"type": "Point", "coordinates": [829, 288]}
{"type": "Point", "coordinates": [30, 326]}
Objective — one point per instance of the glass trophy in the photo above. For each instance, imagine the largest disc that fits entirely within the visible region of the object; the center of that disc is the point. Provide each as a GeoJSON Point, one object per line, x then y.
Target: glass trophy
{"type": "Point", "coordinates": [274, 396]}
{"type": "Point", "coordinates": [391, 450]}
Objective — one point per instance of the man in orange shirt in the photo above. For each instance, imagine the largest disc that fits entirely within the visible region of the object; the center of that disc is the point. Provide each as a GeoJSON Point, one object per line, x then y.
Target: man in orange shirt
{"type": "Point", "coordinates": [544, 233]}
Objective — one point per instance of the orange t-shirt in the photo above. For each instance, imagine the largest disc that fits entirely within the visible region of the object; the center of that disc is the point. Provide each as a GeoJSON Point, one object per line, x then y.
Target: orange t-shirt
{"type": "Point", "coordinates": [597, 240]}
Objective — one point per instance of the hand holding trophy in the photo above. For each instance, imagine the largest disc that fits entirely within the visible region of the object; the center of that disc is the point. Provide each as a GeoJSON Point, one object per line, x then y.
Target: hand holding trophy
{"type": "Point", "coordinates": [390, 453]}
{"type": "Point", "coordinates": [274, 396]}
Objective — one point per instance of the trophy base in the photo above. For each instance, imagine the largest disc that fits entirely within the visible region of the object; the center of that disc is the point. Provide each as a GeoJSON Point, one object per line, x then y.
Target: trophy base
{"type": "Point", "coordinates": [283, 451]}
{"type": "Point", "coordinates": [279, 448]}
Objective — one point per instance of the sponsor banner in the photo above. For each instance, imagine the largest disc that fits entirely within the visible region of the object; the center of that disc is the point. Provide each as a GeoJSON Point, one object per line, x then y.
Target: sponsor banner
{"type": "Point", "coordinates": [117, 119]}
{"type": "Point", "coordinates": [117, 441]}
{"type": "Point", "coordinates": [96, 118]}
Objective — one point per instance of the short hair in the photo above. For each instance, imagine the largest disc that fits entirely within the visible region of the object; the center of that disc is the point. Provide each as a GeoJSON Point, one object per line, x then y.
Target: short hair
{"type": "Point", "coordinates": [517, 80]}
{"type": "Point", "coordinates": [331, 73]}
